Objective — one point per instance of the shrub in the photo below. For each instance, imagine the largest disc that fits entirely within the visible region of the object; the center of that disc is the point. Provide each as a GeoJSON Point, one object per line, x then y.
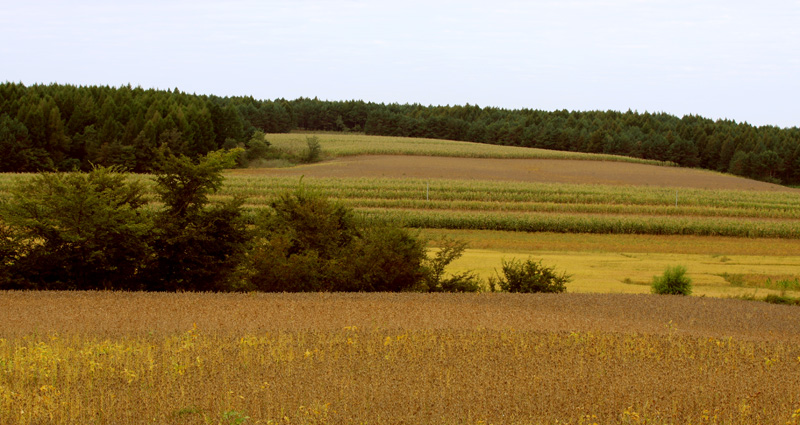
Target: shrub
{"type": "Point", "coordinates": [781, 299]}
{"type": "Point", "coordinates": [435, 280]}
{"type": "Point", "coordinates": [386, 258]}
{"type": "Point", "coordinates": [308, 243]}
{"type": "Point", "coordinates": [673, 282]}
{"type": "Point", "coordinates": [312, 152]}
{"type": "Point", "coordinates": [530, 276]}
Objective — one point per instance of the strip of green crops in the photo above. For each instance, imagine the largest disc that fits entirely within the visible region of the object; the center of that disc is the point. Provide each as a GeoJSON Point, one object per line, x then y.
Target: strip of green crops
{"type": "Point", "coordinates": [495, 191]}
{"type": "Point", "coordinates": [532, 207]}
{"type": "Point", "coordinates": [609, 224]}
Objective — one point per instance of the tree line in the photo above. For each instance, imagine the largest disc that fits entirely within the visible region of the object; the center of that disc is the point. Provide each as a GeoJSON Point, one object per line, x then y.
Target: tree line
{"type": "Point", "coordinates": [64, 127]}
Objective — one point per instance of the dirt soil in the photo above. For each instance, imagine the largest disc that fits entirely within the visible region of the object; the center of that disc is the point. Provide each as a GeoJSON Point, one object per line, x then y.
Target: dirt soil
{"type": "Point", "coordinates": [530, 170]}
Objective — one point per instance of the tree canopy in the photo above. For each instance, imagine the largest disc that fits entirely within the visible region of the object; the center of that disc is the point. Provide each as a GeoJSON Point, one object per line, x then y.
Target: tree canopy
{"type": "Point", "coordinates": [64, 127]}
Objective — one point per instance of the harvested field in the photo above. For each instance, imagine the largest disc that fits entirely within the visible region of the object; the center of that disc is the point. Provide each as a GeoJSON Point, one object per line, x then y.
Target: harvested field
{"type": "Point", "coordinates": [130, 358]}
{"type": "Point", "coordinates": [517, 170]}
{"type": "Point", "coordinates": [117, 314]}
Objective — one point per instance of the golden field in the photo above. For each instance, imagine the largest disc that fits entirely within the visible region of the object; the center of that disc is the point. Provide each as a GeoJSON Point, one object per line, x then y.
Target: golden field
{"type": "Point", "coordinates": [603, 353]}
{"type": "Point", "coordinates": [131, 358]}
{"type": "Point", "coordinates": [627, 263]}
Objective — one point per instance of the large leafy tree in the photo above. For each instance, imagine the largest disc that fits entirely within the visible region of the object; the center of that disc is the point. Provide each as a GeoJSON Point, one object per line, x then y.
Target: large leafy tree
{"type": "Point", "coordinates": [197, 246]}
{"type": "Point", "coordinates": [74, 231]}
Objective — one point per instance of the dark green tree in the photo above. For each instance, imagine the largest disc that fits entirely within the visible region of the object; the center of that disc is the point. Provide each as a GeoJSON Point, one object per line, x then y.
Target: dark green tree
{"type": "Point", "coordinates": [75, 231]}
{"type": "Point", "coordinates": [15, 145]}
{"type": "Point", "coordinates": [197, 246]}
{"type": "Point", "coordinates": [307, 243]}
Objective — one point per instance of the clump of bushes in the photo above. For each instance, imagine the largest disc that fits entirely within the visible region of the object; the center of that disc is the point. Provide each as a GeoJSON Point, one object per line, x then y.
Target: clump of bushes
{"type": "Point", "coordinates": [673, 282]}
{"type": "Point", "coordinates": [258, 152]}
{"type": "Point", "coordinates": [93, 231]}
{"type": "Point", "coordinates": [307, 243]}
{"type": "Point", "coordinates": [434, 278]}
{"type": "Point", "coordinates": [529, 276]}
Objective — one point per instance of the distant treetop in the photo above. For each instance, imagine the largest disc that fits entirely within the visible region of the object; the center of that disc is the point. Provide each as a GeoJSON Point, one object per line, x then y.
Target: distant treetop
{"type": "Point", "coordinates": [64, 127]}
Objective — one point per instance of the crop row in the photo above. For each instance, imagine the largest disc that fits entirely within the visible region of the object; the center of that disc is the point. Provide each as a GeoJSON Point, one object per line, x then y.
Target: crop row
{"type": "Point", "coordinates": [583, 223]}
{"type": "Point", "coordinates": [551, 207]}
{"type": "Point", "coordinates": [739, 203]}
{"type": "Point", "coordinates": [496, 191]}
{"type": "Point", "coordinates": [564, 208]}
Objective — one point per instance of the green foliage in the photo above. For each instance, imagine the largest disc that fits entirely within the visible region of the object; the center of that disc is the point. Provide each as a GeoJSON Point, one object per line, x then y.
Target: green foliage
{"type": "Point", "coordinates": [196, 247]}
{"type": "Point", "coordinates": [301, 243]}
{"type": "Point", "coordinates": [387, 258]}
{"type": "Point", "coordinates": [307, 243]}
{"type": "Point", "coordinates": [61, 126]}
{"type": "Point", "coordinates": [781, 299]}
{"type": "Point", "coordinates": [184, 184]}
{"type": "Point", "coordinates": [312, 152]}
{"type": "Point", "coordinates": [530, 276]}
{"type": "Point", "coordinates": [257, 147]}
{"type": "Point", "coordinates": [435, 279]}
{"type": "Point", "coordinates": [673, 282]}
{"type": "Point", "coordinates": [74, 231]}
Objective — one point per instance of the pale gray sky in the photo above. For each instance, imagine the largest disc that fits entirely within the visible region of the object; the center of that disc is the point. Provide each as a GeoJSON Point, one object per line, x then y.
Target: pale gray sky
{"type": "Point", "coordinates": [719, 58]}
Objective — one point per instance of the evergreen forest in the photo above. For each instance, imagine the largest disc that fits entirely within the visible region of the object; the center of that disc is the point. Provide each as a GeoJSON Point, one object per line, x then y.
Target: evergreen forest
{"type": "Point", "coordinates": [67, 127]}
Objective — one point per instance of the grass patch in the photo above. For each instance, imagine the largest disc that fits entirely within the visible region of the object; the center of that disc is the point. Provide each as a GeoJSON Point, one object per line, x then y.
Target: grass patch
{"type": "Point", "coordinates": [358, 144]}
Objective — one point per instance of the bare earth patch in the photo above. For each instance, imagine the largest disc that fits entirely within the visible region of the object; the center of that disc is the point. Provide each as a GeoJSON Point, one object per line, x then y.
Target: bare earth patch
{"type": "Point", "coordinates": [530, 170]}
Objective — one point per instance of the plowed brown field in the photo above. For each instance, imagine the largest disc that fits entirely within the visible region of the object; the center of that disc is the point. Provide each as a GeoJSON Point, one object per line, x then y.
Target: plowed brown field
{"type": "Point", "coordinates": [530, 170]}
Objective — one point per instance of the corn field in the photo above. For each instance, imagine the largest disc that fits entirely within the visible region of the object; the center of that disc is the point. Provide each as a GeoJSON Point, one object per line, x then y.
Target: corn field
{"type": "Point", "coordinates": [534, 207]}
{"type": "Point", "coordinates": [537, 207]}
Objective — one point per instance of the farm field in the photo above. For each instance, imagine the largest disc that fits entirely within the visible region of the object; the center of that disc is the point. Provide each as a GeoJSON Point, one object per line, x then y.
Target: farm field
{"type": "Point", "coordinates": [183, 358]}
{"type": "Point", "coordinates": [627, 263]}
{"type": "Point", "coordinates": [603, 353]}
{"type": "Point", "coordinates": [346, 144]}
{"type": "Point", "coordinates": [612, 225]}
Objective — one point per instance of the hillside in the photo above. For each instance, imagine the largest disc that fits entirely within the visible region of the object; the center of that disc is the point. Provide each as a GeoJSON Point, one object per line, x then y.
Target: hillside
{"type": "Point", "coordinates": [519, 170]}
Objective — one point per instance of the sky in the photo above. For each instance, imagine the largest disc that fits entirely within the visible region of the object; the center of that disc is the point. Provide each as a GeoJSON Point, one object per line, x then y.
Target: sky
{"type": "Point", "coordinates": [730, 59]}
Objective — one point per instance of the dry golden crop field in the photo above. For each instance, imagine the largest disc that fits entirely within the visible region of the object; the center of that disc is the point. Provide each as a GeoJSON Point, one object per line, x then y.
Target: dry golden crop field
{"type": "Point", "coordinates": [718, 266]}
{"type": "Point", "coordinates": [189, 358]}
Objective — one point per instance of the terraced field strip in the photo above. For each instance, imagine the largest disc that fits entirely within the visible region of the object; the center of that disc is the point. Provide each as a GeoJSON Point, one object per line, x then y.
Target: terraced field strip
{"type": "Point", "coordinates": [538, 207]}
{"type": "Point", "coordinates": [395, 358]}
{"type": "Point", "coordinates": [358, 144]}
{"type": "Point", "coordinates": [534, 207]}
